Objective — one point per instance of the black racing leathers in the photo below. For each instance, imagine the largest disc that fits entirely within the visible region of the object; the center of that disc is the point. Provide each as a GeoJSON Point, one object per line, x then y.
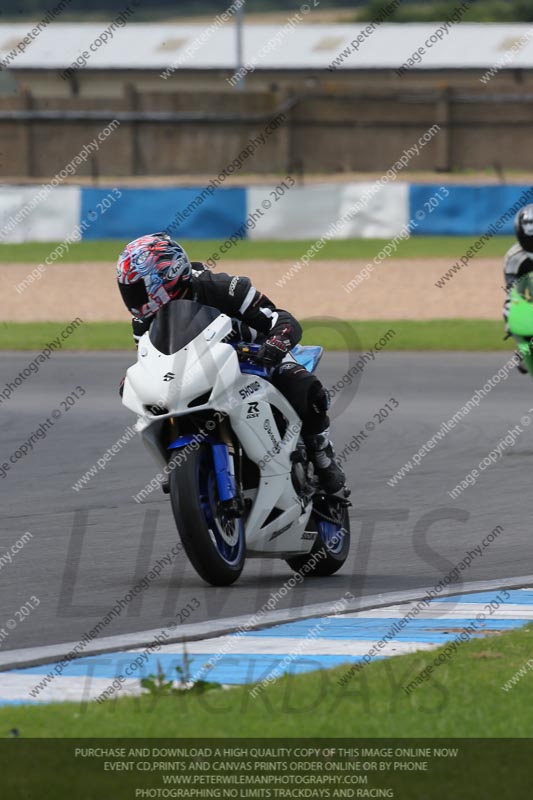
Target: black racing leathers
{"type": "Point", "coordinates": [255, 315]}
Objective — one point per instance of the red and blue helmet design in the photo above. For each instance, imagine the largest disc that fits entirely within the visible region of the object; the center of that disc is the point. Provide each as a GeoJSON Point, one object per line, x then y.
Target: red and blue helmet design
{"type": "Point", "coordinates": [151, 271]}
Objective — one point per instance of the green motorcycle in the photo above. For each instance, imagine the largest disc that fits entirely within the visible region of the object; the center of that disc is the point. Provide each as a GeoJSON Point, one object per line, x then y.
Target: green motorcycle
{"type": "Point", "coordinates": [520, 319]}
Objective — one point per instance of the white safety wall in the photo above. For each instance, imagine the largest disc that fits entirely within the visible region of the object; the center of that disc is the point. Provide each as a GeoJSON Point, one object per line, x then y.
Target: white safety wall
{"type": "Point", "coordinates": [306, 212]}
{"type": "Point", "coordinates": [38, 214]}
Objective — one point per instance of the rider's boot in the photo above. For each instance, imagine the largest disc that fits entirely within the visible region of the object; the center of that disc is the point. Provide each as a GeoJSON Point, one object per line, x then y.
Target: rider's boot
{"type": "Point", "coordinates": [322, 454]}
{"type": "Point", "coordinates": [521, 367]}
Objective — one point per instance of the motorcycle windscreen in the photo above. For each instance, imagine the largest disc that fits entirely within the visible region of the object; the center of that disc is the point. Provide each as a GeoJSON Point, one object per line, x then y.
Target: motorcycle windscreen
{"type": "Point", "coordinates": [177, 323]}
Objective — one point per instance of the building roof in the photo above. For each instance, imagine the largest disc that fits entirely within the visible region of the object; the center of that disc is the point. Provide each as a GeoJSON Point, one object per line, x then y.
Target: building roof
{"type": "Point", "coordinates": [298, 46]}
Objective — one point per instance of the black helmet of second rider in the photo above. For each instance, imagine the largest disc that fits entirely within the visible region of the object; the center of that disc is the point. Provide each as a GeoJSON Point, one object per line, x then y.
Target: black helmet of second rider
{"type": "Point", "coordinates": [523, 226]}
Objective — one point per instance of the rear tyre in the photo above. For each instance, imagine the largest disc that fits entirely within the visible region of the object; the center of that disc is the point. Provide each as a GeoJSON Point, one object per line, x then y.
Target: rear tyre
{"type": "Point", "coordinates": [213, 541]}
{"type": "Point", "coordinates": [332, 544]}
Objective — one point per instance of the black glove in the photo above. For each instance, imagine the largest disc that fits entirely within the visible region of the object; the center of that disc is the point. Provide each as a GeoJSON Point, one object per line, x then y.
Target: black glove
{"type": "Point", "coordinates": [140, 325]}
{"type": "Point", "coordinates": [274, 350]}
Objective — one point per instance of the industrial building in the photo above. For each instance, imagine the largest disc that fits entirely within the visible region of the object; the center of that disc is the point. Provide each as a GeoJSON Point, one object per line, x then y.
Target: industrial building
{"type": "Point", "coordinates": [352, 97]}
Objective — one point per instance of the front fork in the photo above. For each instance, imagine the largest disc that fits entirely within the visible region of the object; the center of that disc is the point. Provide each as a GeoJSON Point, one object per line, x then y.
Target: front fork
{"type": "Point", "coordinates": [223, 451]}
{"type": "Point", "coordinates": [230, 503]}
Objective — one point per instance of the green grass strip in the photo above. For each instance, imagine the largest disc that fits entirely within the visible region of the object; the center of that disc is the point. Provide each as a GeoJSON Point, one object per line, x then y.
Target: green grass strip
{"type": "Point", "coordinates": [447, 334]}
{"type": "Point", "coordinates": [89, 336]}
{"type": "Point", "coordinates": [440, 334]}
{"type": "Point", "coordinates": [463, 697]}
{"type": "Point", "coordinates": [449, 247]}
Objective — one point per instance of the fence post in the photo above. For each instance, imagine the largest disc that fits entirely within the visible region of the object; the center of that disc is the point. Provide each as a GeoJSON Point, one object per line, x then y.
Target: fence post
{"type": "Point", "coordinates": [443, 142]}
{"type": "Point", "coordinates": [27, 136]}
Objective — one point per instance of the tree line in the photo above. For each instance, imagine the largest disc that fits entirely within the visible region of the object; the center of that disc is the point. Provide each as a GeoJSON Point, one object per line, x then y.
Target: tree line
{"type": "Point", "coordinates": [363, 10]}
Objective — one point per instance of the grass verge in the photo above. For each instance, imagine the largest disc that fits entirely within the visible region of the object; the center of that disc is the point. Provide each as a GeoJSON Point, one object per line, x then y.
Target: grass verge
{"type": "Point", "coordinates": [447, 334]}
{"type": "Point", "coordinates": [88, 336]}
{"type": "Point", "coordinates": [462, 698]}
{"type": "Point", "coordinates": [450, 247]}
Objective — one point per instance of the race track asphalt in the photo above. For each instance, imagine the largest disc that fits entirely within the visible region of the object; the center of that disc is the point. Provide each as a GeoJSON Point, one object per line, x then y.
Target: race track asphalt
{"type": "Point", "coordinates": [88, 548]}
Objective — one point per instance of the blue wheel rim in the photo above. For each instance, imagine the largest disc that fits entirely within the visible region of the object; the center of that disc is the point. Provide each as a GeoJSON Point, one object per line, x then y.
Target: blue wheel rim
{"type": "Point", "coordinates": [230, 552]}
{"type": "Point", "coordinates": [332, 534]}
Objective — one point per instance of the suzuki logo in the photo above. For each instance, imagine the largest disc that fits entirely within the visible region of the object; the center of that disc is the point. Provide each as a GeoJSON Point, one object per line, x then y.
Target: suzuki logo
{"type": "Point", "coordinates": [169, 376]}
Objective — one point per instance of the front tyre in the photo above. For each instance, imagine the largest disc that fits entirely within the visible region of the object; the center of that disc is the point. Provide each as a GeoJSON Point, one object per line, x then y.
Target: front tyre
{"type": "Point", "coordinates": [213, 540]}
{"type": "Point", "coordinates": [330, 519]}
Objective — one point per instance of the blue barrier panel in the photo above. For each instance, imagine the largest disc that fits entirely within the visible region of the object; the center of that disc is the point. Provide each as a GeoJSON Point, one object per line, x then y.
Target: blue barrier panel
{"type": "Point", "coordinates": [466, 211]}
{"type": "Point", "coordinates": [140, 211]}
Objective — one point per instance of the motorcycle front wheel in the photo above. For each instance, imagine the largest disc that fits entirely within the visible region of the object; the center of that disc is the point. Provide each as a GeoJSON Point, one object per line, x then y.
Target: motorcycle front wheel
{"type": "Point", "coordinates": [213, 540]}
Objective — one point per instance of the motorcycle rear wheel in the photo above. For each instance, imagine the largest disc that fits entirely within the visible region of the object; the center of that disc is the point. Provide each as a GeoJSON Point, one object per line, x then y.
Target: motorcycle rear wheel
{"type": "Point", "coordinates": [331, 546]}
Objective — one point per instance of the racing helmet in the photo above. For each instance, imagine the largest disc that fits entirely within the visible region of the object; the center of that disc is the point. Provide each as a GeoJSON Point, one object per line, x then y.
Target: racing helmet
{"type": "Point", "coordinates": [151, 271]}
{"type": "Point", "coordinates": [523, 226]}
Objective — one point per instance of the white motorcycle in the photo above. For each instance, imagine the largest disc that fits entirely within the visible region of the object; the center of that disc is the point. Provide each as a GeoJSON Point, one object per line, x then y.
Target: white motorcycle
{"type": "Point", "coordinates": [240, 481]}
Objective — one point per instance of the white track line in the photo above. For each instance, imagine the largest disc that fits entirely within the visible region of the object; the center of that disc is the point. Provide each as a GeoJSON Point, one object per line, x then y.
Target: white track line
{"type": "Point", "coordinates": [446, 611]}
{"type": "Point", "coordinates": [32, 656]}
{"type": "Point", "coordinates": [282, 645]}
{"type": "Point", "coordinates": [77, 689]}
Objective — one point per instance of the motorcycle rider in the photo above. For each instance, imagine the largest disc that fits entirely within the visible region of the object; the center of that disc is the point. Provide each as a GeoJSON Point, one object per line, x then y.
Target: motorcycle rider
{"type": "Point", "coordinates": [519, 261]}
{"type": "Point", "coordinates": [154, 270]}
